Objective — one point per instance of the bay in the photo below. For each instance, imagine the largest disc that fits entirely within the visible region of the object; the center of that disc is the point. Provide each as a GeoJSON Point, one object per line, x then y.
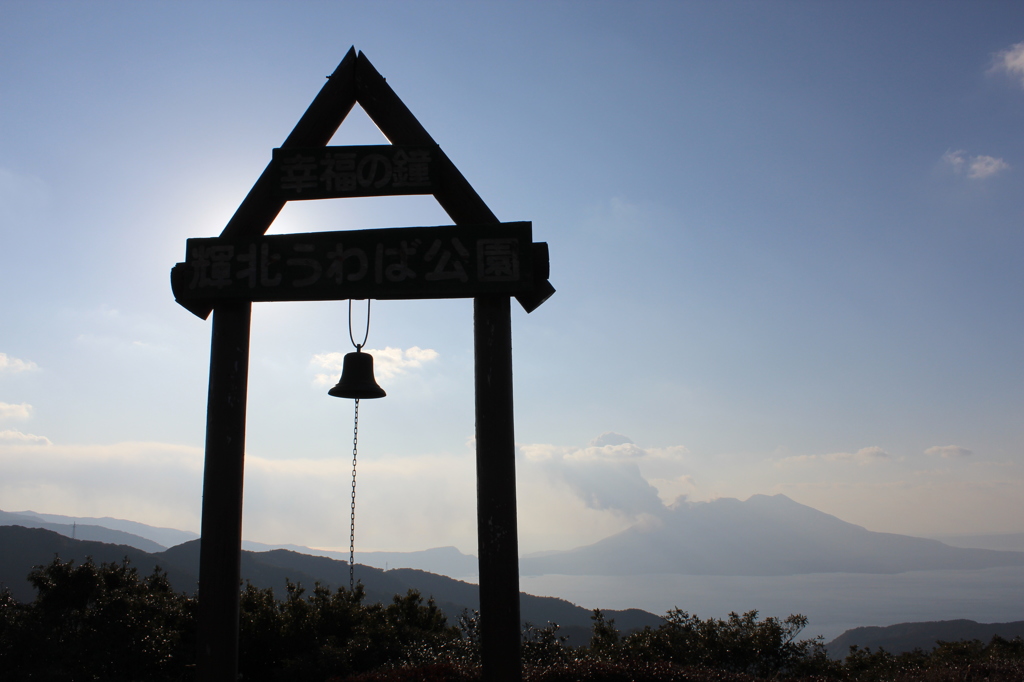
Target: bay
{"type": "Point", "coordinates": [833, 602]}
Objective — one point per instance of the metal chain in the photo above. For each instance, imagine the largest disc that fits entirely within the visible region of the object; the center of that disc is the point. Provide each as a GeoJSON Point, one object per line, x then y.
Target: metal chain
{"type": "Point", "coordinates": [355, 451]}
{"type": "Point", "coordinates": [352, 514]}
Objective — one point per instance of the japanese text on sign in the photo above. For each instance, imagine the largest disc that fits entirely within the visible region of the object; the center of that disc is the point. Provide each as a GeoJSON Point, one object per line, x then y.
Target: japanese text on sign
{"type": "Point", "coordinates": [413, 262]}
{"type": "Point", "coordinates": [375, 170]}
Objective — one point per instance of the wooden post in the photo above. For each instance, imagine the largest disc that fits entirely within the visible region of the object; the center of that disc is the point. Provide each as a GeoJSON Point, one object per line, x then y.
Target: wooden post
{"type": "Point", "coordinates": [497, 526]}
{"type": "Point", "coordinates": [220, 548]}
{"type": "Point", "coordinates": [221, 545]}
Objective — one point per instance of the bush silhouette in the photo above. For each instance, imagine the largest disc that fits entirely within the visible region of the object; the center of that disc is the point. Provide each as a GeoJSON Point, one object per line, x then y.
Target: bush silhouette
{"type": "Point", "coordinates": [105, 622]}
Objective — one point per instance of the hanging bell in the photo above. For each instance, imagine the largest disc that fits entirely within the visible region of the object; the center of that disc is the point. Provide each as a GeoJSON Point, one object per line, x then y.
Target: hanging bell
{"type": "Point", "coordinates": [357, 378]}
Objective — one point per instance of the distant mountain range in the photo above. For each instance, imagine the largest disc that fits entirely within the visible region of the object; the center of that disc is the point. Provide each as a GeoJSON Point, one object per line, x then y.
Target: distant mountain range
{"type": "Point", "coordinates": [909, 636]}
{"type": "Point", "coordinates": [106, 529]}
{"type": "Point", "coordinates": [444, 560]}
{"type": "Point", "coordinates": [762, 536]}
{"type": "Point", "coordinates": [25, 548]}
{"type": "Point", "coordinates": [1013, 542]}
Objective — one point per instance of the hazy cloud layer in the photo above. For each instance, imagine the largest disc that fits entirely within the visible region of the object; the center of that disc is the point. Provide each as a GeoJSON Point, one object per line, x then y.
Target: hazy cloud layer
{"type": "Point", "coordinates": [155, 483]}
{"type": "Point", "coordinates": [568, 496]}
{"type": "Point", "coordinates": [387, 363]}
{"type": "Point", "coordinates": [9, 364]}
{"type": "Point", "coordinates": [864, 456]}
{"type": "Point", "coordinates": [1011, 62]}
{"type": "Point", "coordinates": [974, 167]}
{"type": "Point", "coordinates": [19, 411]}
{"type": "Point", "coordinates": [987, 498]}
{"type": "Point", "coordinates": [402, 503]}
{"type": "Point", "coordinates": [948, 451]}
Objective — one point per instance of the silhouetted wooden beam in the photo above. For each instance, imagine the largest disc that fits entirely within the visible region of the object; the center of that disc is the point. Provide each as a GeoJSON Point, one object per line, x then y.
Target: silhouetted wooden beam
{"type": "Point", "coordinates": [497, 524]}
{"type": "Point", "coordinates": [221, 539]}
{"type": "Point", "coordinates": [315, 129]}
{"type": "Point", "coordinates": [456, 196]}
{"type": "Point", "coordinates": [221, 544]}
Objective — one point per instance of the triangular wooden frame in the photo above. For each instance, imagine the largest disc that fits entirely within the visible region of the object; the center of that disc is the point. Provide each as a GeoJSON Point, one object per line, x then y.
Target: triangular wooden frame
{"type": "Point", "coordinates": [356, 81]}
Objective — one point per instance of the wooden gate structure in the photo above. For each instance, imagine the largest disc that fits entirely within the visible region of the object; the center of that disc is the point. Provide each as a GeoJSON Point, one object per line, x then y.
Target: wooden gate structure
{"type": "Point", "coordinates": [478, 257]}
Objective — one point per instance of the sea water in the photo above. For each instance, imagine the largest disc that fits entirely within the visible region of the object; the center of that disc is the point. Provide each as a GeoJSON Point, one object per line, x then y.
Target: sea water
{"type": "Point", "coordinates": [832, 602]}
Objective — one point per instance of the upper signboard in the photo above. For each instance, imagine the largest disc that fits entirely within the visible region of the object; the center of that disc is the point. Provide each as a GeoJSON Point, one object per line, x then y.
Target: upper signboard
{"type": "Point", "coordinates": [360, 171]}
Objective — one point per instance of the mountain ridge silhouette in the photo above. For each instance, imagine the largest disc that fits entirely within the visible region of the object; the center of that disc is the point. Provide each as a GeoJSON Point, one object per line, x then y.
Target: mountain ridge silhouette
{"type": "Point", "coordinates": [761, 536]}
{"type": "Point", "coordinates": [26, 548]}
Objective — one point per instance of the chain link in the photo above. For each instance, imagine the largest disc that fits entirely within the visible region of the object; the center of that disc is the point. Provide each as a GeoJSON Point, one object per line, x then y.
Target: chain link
{"type": "Point", "coordinates": [352, 514]}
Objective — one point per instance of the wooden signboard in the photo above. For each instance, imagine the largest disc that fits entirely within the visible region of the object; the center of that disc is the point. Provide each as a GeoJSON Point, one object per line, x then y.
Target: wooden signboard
{"type": "Point", "coordinates": [462, 261]}
{"type": "Point", "coordinates": [359, 171]}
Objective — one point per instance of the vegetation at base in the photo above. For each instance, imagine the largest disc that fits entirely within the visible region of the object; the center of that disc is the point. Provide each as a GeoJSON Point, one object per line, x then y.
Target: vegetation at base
{"type": "Point", "coordinates": [106, 622]}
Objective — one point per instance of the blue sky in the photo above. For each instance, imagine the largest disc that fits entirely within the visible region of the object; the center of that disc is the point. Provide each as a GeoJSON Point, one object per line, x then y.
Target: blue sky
{"type": "Point", "coordinates": [786, 237]}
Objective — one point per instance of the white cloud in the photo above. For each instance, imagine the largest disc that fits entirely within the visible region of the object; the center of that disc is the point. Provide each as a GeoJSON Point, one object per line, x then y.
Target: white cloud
{"type": "Point", "coordinates": [976, 167]}
{"type": "Point", "coordinates": [332, 362]}
{"type": "Point", "coordinates": [387, 363]}
{"type": "Point", "coordinates": [610, 485]}
{"type": "Point", "coordinates": [1011, 61]}
{"type": "Point", "coordinates": [869, 455]}
{"type": "Point", "coordinates": [948, 451]}
{"type": "Point", "coordinates": [14, 437]}
{"type": "Point", "coordinates": [985, 166]}
{"type": "Point", "coordinates": [956, 159]}
{"type": "Point", "coordinates": [624, 451]}
{"type": "Point", "coordinates": [863, 457]}
{"type": "Point", "coordinates": [610, 438]}
{"type": "Point", "coordinates": [20, 411]}
{"type": "Point", "coordinates": [540, 452]}
{"type": "Point", "coordinates": [613, 474]}
{"type": "Point", "coordinates": [9, 364]}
